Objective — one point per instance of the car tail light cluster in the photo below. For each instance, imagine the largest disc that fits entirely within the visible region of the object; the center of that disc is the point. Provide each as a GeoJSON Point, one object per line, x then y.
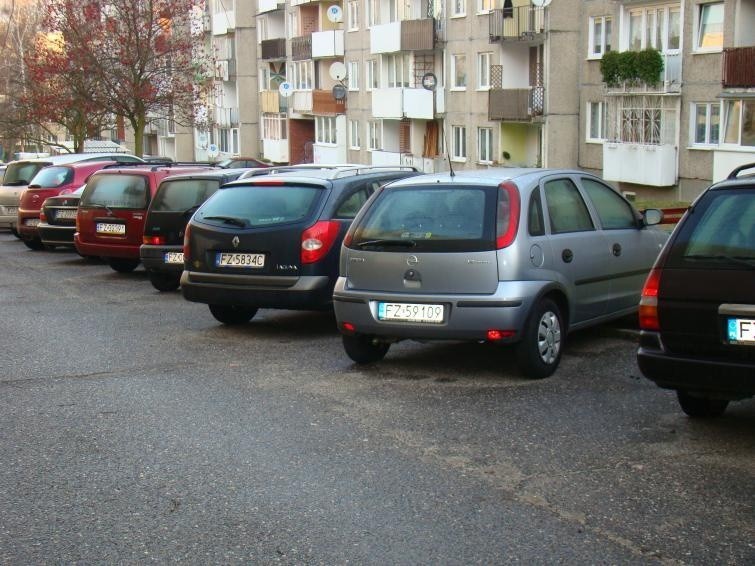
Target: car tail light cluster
{"type": "Point", "coordinates": [649, 301]}
{"type": "Point", "coordinates": [158, 240]}
{"type": "Point", "coordinates": [42, 216]}
{"type": "Point", "coordinates": [187, 240]}
{"type": "Point", "coordinates": [317, 240]}
{"type": "Point", "coordinates": [507, 218]}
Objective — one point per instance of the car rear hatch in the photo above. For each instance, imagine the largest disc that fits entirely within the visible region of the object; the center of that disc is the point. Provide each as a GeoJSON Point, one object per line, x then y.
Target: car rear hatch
{"type": "Point", "coordinates": [706, 302]}
{"type": "Point", "coordinates": [46, 183]}
{"type": "Point", "coordinates": [255, 229]}
{"type": "Point", "coordinates": [426, 239]}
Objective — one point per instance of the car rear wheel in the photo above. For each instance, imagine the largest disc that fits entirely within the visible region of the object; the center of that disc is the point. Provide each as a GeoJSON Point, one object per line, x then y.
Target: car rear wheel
{"type": "Point", "coordinates": [539, 350]}
{"type": "Point", "coordinates": [33, 244]}
{"type": "Point", "coordinates": [123, 265]}
{"type": "Point", "coordinates": [232, 314]}
{"type": "Point", "coordinates": [164, 281]}
{"type": "Point", "coordinates": [364, 349]}
{"type": "Point", "coordinates": [701, 407]}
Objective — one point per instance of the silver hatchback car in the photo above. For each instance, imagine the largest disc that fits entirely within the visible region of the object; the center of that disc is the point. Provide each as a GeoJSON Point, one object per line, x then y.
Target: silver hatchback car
{"type": "Point", "coordinates": [511, 256]}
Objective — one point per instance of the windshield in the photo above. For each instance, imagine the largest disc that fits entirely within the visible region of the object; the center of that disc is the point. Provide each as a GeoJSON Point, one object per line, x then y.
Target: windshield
{"type": "Point", "coordinates": [184, 194]}
{"type": "Point", "coordinates": [116, 191]}
{"type": "Point", "coordinates": [22, 172]}
{"type": "Point", "coordinates": [51, 177]}
{"type": "Point", "coordinates": [257, 206]}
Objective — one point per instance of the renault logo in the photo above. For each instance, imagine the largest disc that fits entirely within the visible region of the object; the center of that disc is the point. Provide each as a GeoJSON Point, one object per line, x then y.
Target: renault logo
{"type": "Point", "coordinates": [235, 241]}
{"type": "Point", "coordinates": [412, 260]}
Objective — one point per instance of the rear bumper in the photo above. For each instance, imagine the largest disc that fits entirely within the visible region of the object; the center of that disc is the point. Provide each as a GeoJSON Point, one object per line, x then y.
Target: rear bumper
{"type": "Point", "coordinates": [313, 292]}
{"type": "Point", "coordinates": [7, 220]}
{"type": "Point", "coordinates": [732, 379]}
{"type": "Point", "coordinates": [114, 250]}
{"type": "Point", "coordinates": [56, 235]}
{"type": "Point", "coordinates": [27, 231]}
{"type": "Point", "coordinates": [153, 258]}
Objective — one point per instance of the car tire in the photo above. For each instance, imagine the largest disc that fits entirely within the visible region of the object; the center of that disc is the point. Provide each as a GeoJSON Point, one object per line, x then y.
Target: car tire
{"type": "Point", "coordinates": [164, 282]}
{"type": "Point", "coordinates": [363, 349]}
{"type": "Point", "coordinates": [701, 407]}
{"type": "Point", "coordinates": [34, 244]}
{"type": "Point", "coordinates": [15, 232]}
{"type": "Point", "coordinates": [123, 265]}
{"type": "Point", "coordinates": [539, 350]}
{"type": "Point", "coordinates": [232, 314]}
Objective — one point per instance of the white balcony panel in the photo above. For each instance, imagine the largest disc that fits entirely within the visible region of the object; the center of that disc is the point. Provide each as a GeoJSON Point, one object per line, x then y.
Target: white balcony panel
{"type": "Point", "coordinates": [440, 100]}
{"type": "Point", "coordinates": [424, 164]}
{"type": "Point", "coordinates": [275, 150]}
{"type": "Point", "coordinates": [268, 5]}
{"type": "Point", "coordinates": [385, 158]}
{"type": "Point", "coordinates": [301, 101]}
{"type": "Point", "coordinates": [653, 165]}
{"type": "Point", "coordinates": [385, 38]}
{"type": "Point", "coordinates": [327, 43]}
{"type": "Point", "coordinates": [725, 161]}
{"type": "Point", "coordinates": [222, 22]}
{"type": "Point", "coordinates": [329, 153]}
{"type": "Point", "coordinates": [388, 103]}
{"type": "Point", "coordinates": [418, 103]}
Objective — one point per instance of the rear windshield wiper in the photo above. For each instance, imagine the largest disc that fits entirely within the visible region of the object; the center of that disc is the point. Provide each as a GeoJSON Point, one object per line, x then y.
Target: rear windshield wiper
{"type": "Point", "coordinates": [749, 262]}
{"type": "Point", "coordinates": [229, 220]}
{"type": "Point", "coordinates": [97, 205]}
{"type": "Point", "coordinates": [387, 242]}
{"type": "Point", "coordinates": [191, 209]}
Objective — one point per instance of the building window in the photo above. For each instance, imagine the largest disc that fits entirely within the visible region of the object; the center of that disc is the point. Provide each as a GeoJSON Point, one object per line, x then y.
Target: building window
{"type": "Point", "coordinates": [353, 77]}
{"type": "Point", "coordinates": [657, 26]}
{"type": "Point", "coordinates": [397, 69]}
{"type": "Point", "coordinates": [353, 15]}
{"type": "Point", "coordinates": [301, 75]}
{"type": "Point", "coordinates": [274, 127]}
{"type": "Point", "coordinates": [373, 134]}
{"type": "Point", "coordinates": [354, 142]}
{"type": "Point", "coordinates": [459, 8]}
{"type": "Point", "coordinates": [458, 143]}
{"type": "Point", "coordinates": [373, 13]}
{"type": "Point", "coordinates": [706, 125]}
{"type": "Point", "coordinates": [739, 116]}
{"type": "Point", "coordinates": [293, 24]}
{"type": "Point", "coordinates": [483, 70]}
{"type": "Point", "coordinates": [325, 129]}
{"type": "Point", "coordinates": [459, 72]}
{"type": "Point", "coordinates": [596, 121]}
{"type": "Point", "coordinates": [599, 36]}
{"type": "Point", "coordinates": [372, 77]}
{"type": "Point", "coordinates": [261, 29]}
{"type": "Point", "coordinates": [228, 140]}
{"type": "Point", "coordinates": [485, 6]}
{"type": "Point", "coordinates": [710, 27]}
{"type": "Point", "coordinates": [485, 145]}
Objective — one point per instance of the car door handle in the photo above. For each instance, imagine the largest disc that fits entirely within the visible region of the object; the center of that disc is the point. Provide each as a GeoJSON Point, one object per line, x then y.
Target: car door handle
{"type": "Point", "coordinates": [616, 250]}
{"type": "Point", "coordinates": [567, 255]}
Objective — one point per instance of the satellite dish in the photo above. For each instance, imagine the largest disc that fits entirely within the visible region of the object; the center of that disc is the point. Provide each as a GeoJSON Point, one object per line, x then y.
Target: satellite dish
{"type": "Point", "coordinates": [212, 151]}
{"type": "Point", "coordinates": [541, 3]}
{"type": "Point", "coordinates": [339, 92]}
{"type": "Point", "coordinates": [337, 71]}
{"type": "Point", "coordinates": [335, 14]}
{"type": "Point", "coordinates": [285, 89]}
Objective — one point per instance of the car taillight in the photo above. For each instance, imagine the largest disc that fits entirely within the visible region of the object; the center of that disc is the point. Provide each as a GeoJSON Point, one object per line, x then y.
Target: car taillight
{"type": "Point", "coordinates": [507, 218]}
{"type": "Point", "coordinates": [649, 301]}
{"type": "Point", "coordinates": [42, 216]}
{"type": "Point", "coordinates": [187, 239]}
{"type": "Point", "coordinates": [154, 240]}
{"type": "Point", "coordinates": [317, 240]}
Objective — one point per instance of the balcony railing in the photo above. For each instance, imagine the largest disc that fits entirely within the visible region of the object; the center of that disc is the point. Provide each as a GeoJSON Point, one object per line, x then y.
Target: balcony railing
{"type": "Point", "coordinates": [516, 104]}
{"type": "Point", "coordinates": [301, 47]}
{"type": "Point", "coordinates": [405, 35]}
{"type": "Point", "coordinates": [523, 23]}
{"type": "Point", "coordinates": [669, 81]}
{"type": "Point", "coordinates": [272, 102]}
{"type": "Point", "coordinates": [273, 48]}
{"type": "Point", "coordinates": [323, 102]}
{"type": "Point", "coordinates": [738, 67]}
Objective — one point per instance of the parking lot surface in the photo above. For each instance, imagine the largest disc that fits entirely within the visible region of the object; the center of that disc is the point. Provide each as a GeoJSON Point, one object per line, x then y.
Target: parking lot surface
{"type": "Point", "coordinates": [135, 428]}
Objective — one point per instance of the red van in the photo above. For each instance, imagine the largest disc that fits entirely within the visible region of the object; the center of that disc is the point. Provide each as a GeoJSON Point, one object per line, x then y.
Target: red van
{"type": "Point", "coordinates": [112, 209]}
{"type": "Point", "coordinates": [50, 181]}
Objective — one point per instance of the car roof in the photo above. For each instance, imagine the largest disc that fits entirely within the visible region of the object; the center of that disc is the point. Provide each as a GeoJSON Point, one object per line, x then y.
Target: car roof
{"type": "Point", "coordinates": [71, 158]}
{"type": "Point", "coordinates": [489, 176]}
{"type": "Point", "coordinates": [208, 174]}
{"type": "Point", "coordinates": [736, 179]}
{"type": "Point", "coordinates": [146, 168]}
{"type": "Point", "coordinates": [323, 172]}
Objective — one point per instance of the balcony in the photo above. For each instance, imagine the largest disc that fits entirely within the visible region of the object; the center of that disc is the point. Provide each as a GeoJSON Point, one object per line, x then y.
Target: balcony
{"type": "Point", "coordinates": [523, 23]}
{"type": "Point", "coordinates": [669, 81]}
{"type": "Point", "coordinates": [301, 102]}
{"type": "Point", "coordinates": [738, 67]}
{"type": "Point", "coordinates": [269, 5]}
{"type": "Point", "coordinates": [653, 165]}
{"type": "Point", "coordinates": [272, 102]}
{"type": "Point", "coordinates": [397, 103]}
{"type": "Point", "coordinates": [516, 104]}
{"type": "Point", "coordinates": [323, 102]}
{"type": "Point", "coordinates": [273, 48]}
{"type": "Point", "coordinates": [425, 164]}
{"type": "Point", "coordinates": [227, 117]}
{"type": "Point", "coordinates": [223, 22]}
{"type": "Point", "coordinates": [301, 48]}
{"type": "Point", "coordinates": [327, 44]}
{"type": "Point", "coordinates": [406, 35]}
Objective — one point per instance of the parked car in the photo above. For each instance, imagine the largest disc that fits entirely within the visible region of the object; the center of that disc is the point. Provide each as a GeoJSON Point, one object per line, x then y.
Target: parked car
{"type": "Point", "coordinates": [50, 181]}
{"type": "Point", "coordinates": [273, 241]}
{"type": "Point", "coordinates": [240, 162]}
{"type": "Point", "coordinates": [509, 256]}
{"type": "Point", "coordinates": [19, 173]}
{"type": "Point", "coordinates": [697, 312]}
{"type": "Point", "coordinates": [57, 220]}
{"type": "Point", "coordinates": [111, 212]}
{"type": "Point", "coordinates": [176, 199]}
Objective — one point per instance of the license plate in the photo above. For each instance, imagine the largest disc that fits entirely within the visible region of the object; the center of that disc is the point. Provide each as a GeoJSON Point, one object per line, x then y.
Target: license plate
{"type": "Point", "coordinates": [741, 331]}
{"type": "Point", "coordinates": [411, 312]}
{"type": "Point", "coordinates": [249, 261]}
{"type": "Point", "coordinates": [103, 228]}
{"type": "Point", "coordinates": [173, 257]}
{"type": "Point", "coordinates": [70, 214]}
{"type": "Point", "coordinates": [11, 210]}
{"type": "Point", "coordinates": [31, 221]}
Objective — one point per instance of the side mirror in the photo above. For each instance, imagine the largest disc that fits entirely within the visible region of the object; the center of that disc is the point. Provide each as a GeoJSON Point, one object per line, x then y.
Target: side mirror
{"type": "Point", "coordinates": [652, 216]}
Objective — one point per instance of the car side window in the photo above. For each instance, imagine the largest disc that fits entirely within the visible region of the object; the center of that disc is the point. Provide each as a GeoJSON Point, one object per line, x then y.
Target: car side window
{"type": "Point", "coordinates": [535, 222]}
{"type": "Point", "coordinates": [614, 212]}
{"type": "Point", "coordinates": [567, 210]}
{"type": "Point", "coordinates": [355, 201]}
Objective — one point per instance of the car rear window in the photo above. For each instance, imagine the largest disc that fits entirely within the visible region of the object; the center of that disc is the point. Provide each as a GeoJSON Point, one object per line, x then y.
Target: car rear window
{"type": "Point", "coordinates": [116, 191]}
{"type": "Point", "coordinates": [51, 177]}
{"type": "Point", "coordinates": [21, 173]}
{"type": "Point", "coordinates": [719, 231]}
{"type": "Point", "coordinates": [258, 206]}
{"type": "Point", "coordinates": [461, 218]}
{"type": "Point", "coordinates": [183, 194]}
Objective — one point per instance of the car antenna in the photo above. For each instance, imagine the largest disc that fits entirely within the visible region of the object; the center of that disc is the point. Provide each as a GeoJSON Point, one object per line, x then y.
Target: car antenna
{"type": "Point", "coordinates": [448, 154]}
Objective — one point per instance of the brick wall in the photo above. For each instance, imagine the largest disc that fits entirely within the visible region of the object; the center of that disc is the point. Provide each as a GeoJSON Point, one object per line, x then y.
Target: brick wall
{"type": "Point", "coordinates": [300, 133]}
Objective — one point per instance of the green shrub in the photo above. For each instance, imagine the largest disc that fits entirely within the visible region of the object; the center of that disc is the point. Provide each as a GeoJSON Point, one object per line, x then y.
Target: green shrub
{"type": "Point", "coordinates": [628, 67]}
{"type": "Point", "coordinates": [609, 67]}
{"type": "Point", "coordinates": [649, 66]}
{"type": "Point", "coordinates": [632, 67]}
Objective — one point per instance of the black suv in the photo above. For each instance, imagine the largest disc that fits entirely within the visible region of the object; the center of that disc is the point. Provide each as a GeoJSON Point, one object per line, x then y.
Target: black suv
{"type": "Point", "coordinates": [176, 199]}
{"type": "Point", "coordinates": [697, 312]}
{"type": "Point", "coordinates": [273, 241]}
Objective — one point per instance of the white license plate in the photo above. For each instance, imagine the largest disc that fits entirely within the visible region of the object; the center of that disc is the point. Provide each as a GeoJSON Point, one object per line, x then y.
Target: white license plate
{"type": "Point", "coordinates": [249, 261]}
{"type": "Point", "coordinates": [11, 210]}
{"type": "Point", "coordinates": [173, 257]}
{"type": "Point", "coordinates": [103, 228]}
{"type": "Point", "coordinates": [31, 221]}
{"type": "Point", "coordinates": [741, 331]}
{"type": "Point", "coordinates": [70, 214]}
{"type": "Point", "coordinates": [411, 312]}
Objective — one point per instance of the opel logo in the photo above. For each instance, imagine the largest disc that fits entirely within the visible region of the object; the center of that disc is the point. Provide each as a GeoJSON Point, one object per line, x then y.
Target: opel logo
{"type": "Point", "coordinates": [412, 260]}
{"type": "Point", "coordinates": [235, 241]}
